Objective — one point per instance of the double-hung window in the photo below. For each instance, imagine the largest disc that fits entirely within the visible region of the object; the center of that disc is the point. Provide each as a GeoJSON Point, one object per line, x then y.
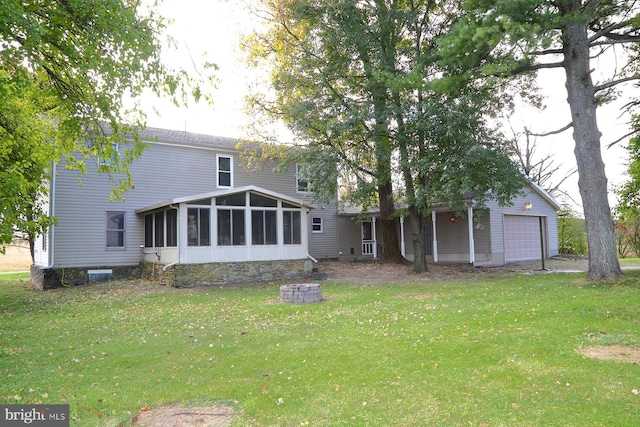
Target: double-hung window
{"type": "Point", "coordinates": [115, 229]}
{"type": "Point", "coordinates": [301, 180]}
{"type": "Point", "coordinates": [316, 224]}
{"type": "Point", "coordinates": [224, 171]}
{"type": "Point", "coordinates": [110, 155]}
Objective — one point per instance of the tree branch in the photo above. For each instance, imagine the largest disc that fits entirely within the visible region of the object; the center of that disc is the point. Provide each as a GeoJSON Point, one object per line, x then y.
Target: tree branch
{"type": "Point", "coordinates": [553, 132]}
{"type": "Point", "coordinates": [615, 82]}
{"type": "Point", "coordinates": [530, 67]}
{"type": "Point", "coordinates": [611, 144]}
{"type": "Point", "coordinates": [590, 7]}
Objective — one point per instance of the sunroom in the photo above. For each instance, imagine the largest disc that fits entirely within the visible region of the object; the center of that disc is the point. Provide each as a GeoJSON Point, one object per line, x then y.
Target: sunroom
{"type": "Point", "coordinates": [233, 225]}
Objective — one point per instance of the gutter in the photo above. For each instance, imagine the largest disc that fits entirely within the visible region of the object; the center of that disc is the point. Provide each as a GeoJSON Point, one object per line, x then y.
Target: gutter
{"type": "Point", "coordinates": [52, 212]}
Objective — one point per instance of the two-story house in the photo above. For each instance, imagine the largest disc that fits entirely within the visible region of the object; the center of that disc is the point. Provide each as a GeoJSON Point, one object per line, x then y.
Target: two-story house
{"type": "Point", "coordinates": [192, 204]}
{"type": "Point", "coordinates": [195, 215]}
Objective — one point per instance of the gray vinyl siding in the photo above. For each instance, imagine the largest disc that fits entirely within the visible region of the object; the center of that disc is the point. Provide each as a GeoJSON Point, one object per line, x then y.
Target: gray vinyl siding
{"type": "Point", "coordinates": [324, 245]}
{"type": "Point", "coordinates": [482, 237]}
{"type": "Point", "coordinates": [164, 171]}
{"type": "Point", "coordinates": [453, 237]}
{"type": "Point", "coordinates": [350, 237]}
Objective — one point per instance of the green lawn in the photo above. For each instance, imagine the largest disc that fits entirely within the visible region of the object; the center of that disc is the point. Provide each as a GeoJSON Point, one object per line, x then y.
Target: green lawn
{"type": "Point", "coordinates": [20, 275]}
{"type": "Point", "coordinates": [486, 352]}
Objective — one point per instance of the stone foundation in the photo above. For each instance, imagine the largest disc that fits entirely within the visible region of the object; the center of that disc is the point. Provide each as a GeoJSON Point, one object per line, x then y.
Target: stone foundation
{"type": "Point", "coordinates": [301, 294]}
{"type": "Point", "coordinates": [52, 278]}
{"type": "Point", "coordinates": [180, 275]}
{"type": "Point", "coordinates": [185, 275]}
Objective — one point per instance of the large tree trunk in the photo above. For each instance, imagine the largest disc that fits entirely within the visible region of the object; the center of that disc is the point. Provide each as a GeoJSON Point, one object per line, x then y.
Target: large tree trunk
{"type": "Point", "coordinates": [391, 249]}
{"type": "Point", "coordinates": [419, 260]}
{"type": "Point", "coordinates": [603, 260]}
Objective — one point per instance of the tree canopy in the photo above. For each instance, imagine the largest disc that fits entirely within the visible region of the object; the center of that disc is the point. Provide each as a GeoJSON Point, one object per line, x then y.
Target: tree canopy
{"type": "Point", "coordinates": [70, 73]}
{"type": "Point", "coordinates": [364, 83]}
{"type": "Point", "coordinates": [506, 38]}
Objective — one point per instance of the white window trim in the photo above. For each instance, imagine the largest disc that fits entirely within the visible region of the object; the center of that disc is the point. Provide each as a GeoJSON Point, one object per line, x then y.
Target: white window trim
{"type": "Point", "coordinates": [106, 162]}
{"type": "Point", "coordinates": [123, 230]}
{"type": "Point", "coordinates": [298, 179]}
{"type": "Point", "coordinates": [225, 156]}
{"type": "Point", "coordinates": [321, 225]}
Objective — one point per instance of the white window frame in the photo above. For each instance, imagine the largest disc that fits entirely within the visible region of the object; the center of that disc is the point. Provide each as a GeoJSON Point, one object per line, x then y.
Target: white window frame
{"type": "Point", "coordinates": [115, 155]}
{"type": "Point", "coordinates": [218, 171]}
{"type": "Point", "coordinates": [313, 224]}
{"type": "Point", "coordinates": [300, 178]}
{"type": "Point", "coordinates": [122, 230]}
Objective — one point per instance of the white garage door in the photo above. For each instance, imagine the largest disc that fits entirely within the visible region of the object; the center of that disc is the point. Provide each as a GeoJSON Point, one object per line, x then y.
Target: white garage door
{"type": "Point", "coordinates": [521, 238]}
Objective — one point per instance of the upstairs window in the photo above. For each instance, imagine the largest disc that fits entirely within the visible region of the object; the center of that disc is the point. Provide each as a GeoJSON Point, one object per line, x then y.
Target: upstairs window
{"type": "Point", "coordinates": [302, 183]}
{"type": "Point", "coordinates": [225, 171]}
{"type": "Point", "coordinates": [115, 229]}
{"type": "Point", "coordinates": [110, 155]}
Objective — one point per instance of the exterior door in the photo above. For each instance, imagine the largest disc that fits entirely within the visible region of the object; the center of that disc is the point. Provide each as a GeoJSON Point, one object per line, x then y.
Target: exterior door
{"type": "Point", "coordinates": [521, 238]}
{"type": "Point", "coordinates": [367, 238]}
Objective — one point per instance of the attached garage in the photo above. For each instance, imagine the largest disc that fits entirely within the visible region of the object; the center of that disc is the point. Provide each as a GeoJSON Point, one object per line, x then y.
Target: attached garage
{"type": "Point", "coordinates": [521, 238]}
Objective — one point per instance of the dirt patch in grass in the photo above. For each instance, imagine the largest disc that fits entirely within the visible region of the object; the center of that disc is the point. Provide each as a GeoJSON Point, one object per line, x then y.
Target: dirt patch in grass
{"type": "Point", "coordinates": [369, 272]}
{"type": "Point", "coordinates": [616, 353]}
{"type": "Point", "coordinates": [183, 416]}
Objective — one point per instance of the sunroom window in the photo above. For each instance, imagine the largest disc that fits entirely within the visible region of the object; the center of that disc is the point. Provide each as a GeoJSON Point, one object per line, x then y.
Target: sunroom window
{"type": "Point", "coordinates": [231, 227]}
{"type": "Point", "coordinates": [198, 227]}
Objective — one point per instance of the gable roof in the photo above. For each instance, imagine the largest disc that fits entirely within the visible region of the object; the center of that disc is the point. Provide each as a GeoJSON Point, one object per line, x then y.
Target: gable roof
{"type": "Point", "coordinates": [352, 210]}
{"type": "Point", "coordinates": [548, 197]}
{"type": "Point", "coordinates": [158, 135]}
{"type": "Point", "coordinates": [220, 193]}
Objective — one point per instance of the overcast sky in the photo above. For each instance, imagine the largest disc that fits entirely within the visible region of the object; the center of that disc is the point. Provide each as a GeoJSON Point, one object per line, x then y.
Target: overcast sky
{"type": "Point", "coordinates": [209, 30]}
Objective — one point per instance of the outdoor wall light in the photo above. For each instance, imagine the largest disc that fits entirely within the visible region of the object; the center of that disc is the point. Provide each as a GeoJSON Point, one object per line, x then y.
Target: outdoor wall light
{"type": "Point", "coordinates": [453, 218]}
{"type": "Point", "coordinates": [528, 206]}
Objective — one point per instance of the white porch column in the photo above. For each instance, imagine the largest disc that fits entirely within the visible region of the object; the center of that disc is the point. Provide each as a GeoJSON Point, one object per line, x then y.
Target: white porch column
{"type": "Point", "coordinates": [435, 239]}
{"type": "Point", "coordinates": [472, 249]}
{"type": "Point", "coordinates": [402, 244]}
{"type": "Point", "coordinates": [375, 237]}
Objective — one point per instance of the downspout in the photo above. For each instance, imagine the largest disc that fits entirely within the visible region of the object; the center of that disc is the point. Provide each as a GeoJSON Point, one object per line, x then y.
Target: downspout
{"type": "Point", "coordinates": [472, 248]}
{"type": "Point", "coordinates": [170, 265]}
{"type": "Point", "coordinates": [403, 252]}
{"type": "Point", "coordinates": [375, 237]}
{"type": "Point", "coordinates": [435, 238]}
{"type": "Point", "coordinates": [177, 209]}
{"type": "Point", "coordinates": [52, 212]}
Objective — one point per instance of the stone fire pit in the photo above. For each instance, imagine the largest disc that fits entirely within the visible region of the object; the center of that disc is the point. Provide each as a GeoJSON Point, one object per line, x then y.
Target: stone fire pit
{"type": "Point", "coordinates": [300, 293]}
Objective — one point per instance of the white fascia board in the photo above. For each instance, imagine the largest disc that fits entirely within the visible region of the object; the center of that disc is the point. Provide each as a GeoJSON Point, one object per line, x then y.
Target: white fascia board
{"type": "Point", "coordinates": [220, 193]}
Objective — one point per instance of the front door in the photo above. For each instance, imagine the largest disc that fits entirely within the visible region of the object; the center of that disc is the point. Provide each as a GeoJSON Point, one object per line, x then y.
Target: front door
{"type": "Point", "coordinates": [367, 238]}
